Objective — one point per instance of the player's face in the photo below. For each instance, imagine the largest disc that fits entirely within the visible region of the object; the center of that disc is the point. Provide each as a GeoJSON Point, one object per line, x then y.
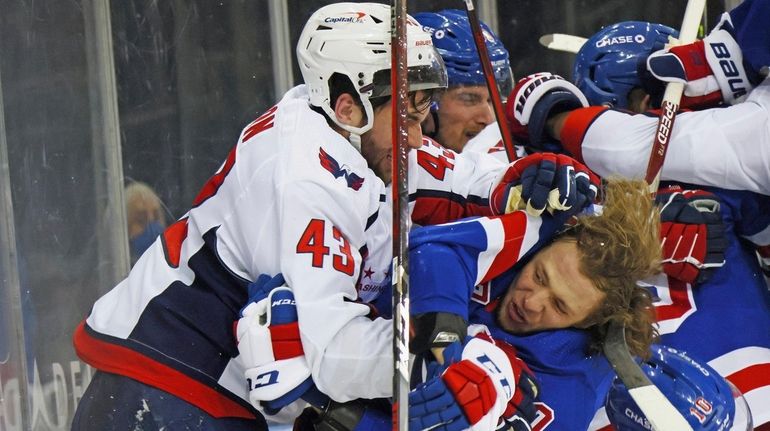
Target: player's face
{"type": "Point", "coordinates": [549, 293]}
{"type": "Point", "coordinates": [376, 144]}
{"type": "Point", "coordinates": [463, 112]}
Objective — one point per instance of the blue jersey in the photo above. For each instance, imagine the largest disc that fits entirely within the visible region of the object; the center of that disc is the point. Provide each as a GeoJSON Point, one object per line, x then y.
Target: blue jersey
{"type": "Point", "coordinates": [463, 267]}
{"type": "Point", "coordinates": [724, 321]}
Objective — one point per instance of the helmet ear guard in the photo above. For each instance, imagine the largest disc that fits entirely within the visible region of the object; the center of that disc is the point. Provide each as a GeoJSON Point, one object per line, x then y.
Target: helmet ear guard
{"type": "Point", "coordinates": [705, 399]}
{"type": "Point", "coordinates": [353, 39]}
{"type": "Point", "coordinates": [611, 62]}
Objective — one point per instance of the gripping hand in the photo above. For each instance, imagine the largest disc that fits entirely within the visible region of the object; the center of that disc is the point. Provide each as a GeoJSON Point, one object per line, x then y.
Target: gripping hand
{"type": "Point", "coordinates": [473, 391]}
{"type": "Point", "coordinates": [270, 346]}
{"type": "Point", "coordinates": [543, 181]}
{"type": "Point", "coordinates": [692, 234]}
{"type": "Point", "coordinates": [534, 99]}
{"type": "Point", "coordinates": [711, 69]}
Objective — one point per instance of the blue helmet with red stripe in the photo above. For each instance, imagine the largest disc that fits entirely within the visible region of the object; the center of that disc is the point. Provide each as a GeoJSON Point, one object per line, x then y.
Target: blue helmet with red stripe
{"type": "Point", "coordinates": [706, 400]}
{"type": "Point", "coordinates": [612, 62]}
{"type": "Point", "coordinates": [453, 39]}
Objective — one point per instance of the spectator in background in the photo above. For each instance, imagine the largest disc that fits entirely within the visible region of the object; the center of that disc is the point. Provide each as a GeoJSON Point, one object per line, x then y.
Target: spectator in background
{"type": "Point", "coordinates": [146, 220]}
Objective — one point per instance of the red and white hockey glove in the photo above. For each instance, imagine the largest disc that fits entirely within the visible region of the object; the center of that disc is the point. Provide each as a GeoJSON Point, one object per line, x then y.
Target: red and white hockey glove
{"type": "Point", "coordinates": [534, 99]}
{"type": "Point", "coordinates": [711, 69]}
{"type": "Point", "coordinates": [270, 347]}
{"type": "Point", "coordinates": [692, 234]}
{"type": "Point", "coordinates": [545, 181]}
{"type": "Point", "coordinates": [474, 391]}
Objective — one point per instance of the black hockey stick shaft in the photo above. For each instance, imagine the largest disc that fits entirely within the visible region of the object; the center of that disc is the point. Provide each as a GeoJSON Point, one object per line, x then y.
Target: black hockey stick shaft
{"type": "Point", "coordinates": [489, 76]}
{"type": "Point", "coordinates": [401, 222]}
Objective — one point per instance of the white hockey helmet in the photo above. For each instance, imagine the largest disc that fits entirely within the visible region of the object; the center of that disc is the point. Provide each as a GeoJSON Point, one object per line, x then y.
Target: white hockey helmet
{"type": "Point", "coordinates": [353, 39]}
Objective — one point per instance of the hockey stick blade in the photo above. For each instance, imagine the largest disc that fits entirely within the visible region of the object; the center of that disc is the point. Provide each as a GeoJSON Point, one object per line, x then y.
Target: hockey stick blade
{"type": "Point", "coordinates": [562, 42]}
{"type": "Point", "coordinates": [661, 414]}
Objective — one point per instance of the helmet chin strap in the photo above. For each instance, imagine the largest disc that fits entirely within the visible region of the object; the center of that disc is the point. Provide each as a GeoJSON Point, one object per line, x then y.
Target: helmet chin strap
{"type": "Point", "coordinates": [355, 140]}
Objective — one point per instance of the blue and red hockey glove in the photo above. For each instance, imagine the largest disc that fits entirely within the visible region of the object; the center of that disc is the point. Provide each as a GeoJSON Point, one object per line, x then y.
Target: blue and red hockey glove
{"type": "Point", "coordinates": [712, 69]}
{"type": "Point", "coordinates": [533, 100]}
{"type": "Point", "coordinates": [477, 389]}
{"type": "Point", "coordinates": [692, 233]}
{"type": "Point", "coordinates": [270, 348]}
{"type": "Point", "coordinates": [545, 181]}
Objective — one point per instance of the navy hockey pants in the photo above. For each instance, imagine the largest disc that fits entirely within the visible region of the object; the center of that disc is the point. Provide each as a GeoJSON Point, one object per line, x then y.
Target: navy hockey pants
{"type": "Point", "coordinates": [116, 403]}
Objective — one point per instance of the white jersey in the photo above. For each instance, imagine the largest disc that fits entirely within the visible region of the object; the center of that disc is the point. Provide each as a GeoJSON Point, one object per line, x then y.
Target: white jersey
{"type": "Point", "coordinates": [721, 147]}
{"type": "Point", "coordinates": [490, 141]}
{"type": "Point", "coordinates": [293, 197]}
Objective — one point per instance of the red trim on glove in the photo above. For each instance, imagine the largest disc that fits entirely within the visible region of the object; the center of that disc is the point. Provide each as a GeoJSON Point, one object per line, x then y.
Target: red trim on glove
{"type": "Point", "coordinates": [472, 388]}
{"type": "Point", "coordinates": [286, 341]}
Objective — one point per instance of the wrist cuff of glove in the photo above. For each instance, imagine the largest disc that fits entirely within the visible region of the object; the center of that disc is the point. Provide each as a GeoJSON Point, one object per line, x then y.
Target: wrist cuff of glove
{"type": "Point", "coordinates": [725, 59]}
{"type": "Point", "coordinates": [436, 330]}
{"type": "Point", "coordinates": [552, 103]}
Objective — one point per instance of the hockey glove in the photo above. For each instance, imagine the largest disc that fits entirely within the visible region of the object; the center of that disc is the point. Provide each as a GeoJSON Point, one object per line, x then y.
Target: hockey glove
{"type": "Point", "coordinates": [692, 234]}
{"type": "Point", "coordinates": [473, 391]}
{"type": "Point", "coordinates": [536, 98]}
{"type": "Point", "coordinates": [711, 69]}
{"type": "Point", "coordinates": [543, 181]}
{"type": "Point", "coordinates": [270, 347]}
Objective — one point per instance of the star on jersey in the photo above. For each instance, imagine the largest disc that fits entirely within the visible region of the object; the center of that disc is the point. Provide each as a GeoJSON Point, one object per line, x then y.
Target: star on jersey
{"type": "Point", "coordinates": [330, 164]}
{"type": "Point", "coordinates": [368, 273]}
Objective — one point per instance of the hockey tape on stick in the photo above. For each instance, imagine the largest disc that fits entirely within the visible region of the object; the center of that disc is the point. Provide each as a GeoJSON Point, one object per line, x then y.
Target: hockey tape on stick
{"type": "Point", "coordinates": [660, 413]}
{"type": "Point", "coordinates": [489, 76]}
{"type": "Point", "coordinates": [562, 42]}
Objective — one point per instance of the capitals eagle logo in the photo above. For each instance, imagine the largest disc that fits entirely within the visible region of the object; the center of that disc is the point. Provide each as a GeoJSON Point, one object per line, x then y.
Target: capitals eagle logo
{"type": "Point", "coordinates": [330, 164]}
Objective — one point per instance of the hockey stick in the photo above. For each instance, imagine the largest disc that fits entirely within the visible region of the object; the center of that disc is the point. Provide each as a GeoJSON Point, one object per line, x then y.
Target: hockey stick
{"type": "Point", "coordinates": [562, 42]}
{"type": "Point", "coordinates": [489, 75]}
{"type": "Point", "coordinates": [661, 414]}
{"type": "Point", "coordinates": [672, 97]}
{"type": "Point", "coordinates": [400, 270]}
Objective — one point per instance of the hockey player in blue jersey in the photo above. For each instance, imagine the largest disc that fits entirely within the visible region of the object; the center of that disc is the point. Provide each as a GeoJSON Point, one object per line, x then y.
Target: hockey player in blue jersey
{"type": "Point", "coordinates": [706, 399]}
{"type": "Point", "coordinates": [718, 314]}
{"type": "Point", "coordinates": [546, 289]}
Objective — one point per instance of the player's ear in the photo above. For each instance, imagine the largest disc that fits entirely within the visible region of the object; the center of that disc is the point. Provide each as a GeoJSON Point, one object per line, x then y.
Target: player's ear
{"type": "Point", "coordinates": [645, 104]}
{"type": "Point", "coordinates": [348, 111]}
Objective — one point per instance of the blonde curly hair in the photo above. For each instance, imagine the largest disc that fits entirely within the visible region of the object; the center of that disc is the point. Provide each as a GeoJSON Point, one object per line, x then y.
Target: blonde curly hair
{"type": "Point", "coordinates": [618, 248]}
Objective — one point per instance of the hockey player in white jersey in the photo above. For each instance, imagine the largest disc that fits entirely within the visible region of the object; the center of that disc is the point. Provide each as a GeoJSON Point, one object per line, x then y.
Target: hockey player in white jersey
{"type": "Point", "coordinates": [303, 193]}
{"type": "Point", "coordinates": [725, 147]}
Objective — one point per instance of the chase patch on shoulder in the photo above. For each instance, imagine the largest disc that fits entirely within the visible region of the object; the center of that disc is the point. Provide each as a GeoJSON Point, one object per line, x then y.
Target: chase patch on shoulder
{"type": "Point", "coordinates": [330, 164]}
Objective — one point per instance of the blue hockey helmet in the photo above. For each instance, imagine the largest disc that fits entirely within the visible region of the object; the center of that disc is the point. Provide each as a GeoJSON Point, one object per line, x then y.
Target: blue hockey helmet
{"type": "Point", "coordinates": [453, 39]}
{"type": "Point", "coordinates": [612, 62]}
{"type": "Point", "coordinates": [706, 400]}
